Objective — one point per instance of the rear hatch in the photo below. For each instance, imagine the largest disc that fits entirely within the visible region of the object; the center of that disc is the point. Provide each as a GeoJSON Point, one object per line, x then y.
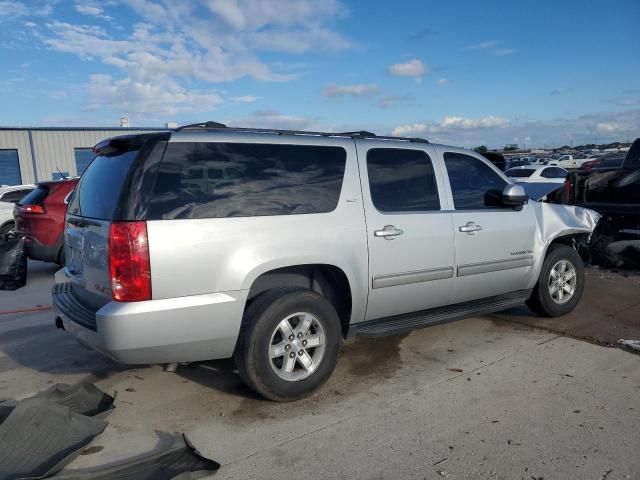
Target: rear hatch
{"type": "Point", "coordinates": [108, 195]}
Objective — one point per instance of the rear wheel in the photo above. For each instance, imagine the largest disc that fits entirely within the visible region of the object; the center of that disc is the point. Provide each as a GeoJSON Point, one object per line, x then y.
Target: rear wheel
{"type": "Point", "coordinates": [560, 284]}
{"type": "Point", "coordinates": [7, 228]}
{"type": "Point", "coordinates": [289, 343]}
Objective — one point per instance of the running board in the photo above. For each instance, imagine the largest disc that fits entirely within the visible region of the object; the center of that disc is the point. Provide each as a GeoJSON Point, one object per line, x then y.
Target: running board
{"type": "Point", "coordinates": [381, 327]}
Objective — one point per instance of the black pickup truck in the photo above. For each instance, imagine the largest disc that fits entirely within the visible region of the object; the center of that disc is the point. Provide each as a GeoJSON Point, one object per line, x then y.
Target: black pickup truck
{"type": "Point", "coordinates": [615, 193]}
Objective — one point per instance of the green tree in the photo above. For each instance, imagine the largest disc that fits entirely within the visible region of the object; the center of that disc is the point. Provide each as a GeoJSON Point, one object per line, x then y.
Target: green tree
{"type": "Point", "coordinates": [481, 149]}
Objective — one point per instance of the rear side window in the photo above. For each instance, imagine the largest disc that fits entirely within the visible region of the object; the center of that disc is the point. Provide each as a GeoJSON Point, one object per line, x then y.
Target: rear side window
{"type": "Point", "coordinates": [474, 184]}
{"type": "Point", "coordinates": [519, 172]}
{"type": "Point", "coordinates": [402, 180]}
{"type": "Point", "coordinates": [98, 193]}
{"type": "Point", "coordinates": [218, 180]}
{"type": "Point", "coordinates": [35, 197]}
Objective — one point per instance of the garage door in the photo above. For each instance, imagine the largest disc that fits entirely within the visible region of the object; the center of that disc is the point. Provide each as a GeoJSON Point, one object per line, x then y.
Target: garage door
{"type": "Point", "coordinates": [9, 168]}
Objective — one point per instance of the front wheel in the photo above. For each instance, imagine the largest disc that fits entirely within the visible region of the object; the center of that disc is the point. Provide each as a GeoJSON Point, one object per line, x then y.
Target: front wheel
{"type": "Point", "coordinates": [560, 284]}
{"type": "Point", "coordinates": [289, 343]}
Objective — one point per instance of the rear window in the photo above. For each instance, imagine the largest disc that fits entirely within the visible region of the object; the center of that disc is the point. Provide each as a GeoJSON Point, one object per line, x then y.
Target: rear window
{"type": "Point", "coordinates": [35, 197]}
{"type": "Point", "coordinates": [98, 192]}
{"type": "Point", "coordinates": [519, 172]}
{"type": "Point", "coordinates": [217, 180]}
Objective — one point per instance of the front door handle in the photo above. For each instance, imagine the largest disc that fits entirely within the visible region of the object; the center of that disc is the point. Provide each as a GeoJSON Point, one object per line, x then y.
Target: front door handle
{"type": "Point", "coordinates": [389, 232]}
{"type": "Point", "coordinates": [470, 228]}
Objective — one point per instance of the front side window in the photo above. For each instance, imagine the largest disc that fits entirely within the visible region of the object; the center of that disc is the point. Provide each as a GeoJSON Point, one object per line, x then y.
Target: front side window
{"type": "Point", "coordinates": [402, 180]}
{"type": "Point", "coordinates": [218, 180]}
{"type": "Point", "coordinates": [474, 184]}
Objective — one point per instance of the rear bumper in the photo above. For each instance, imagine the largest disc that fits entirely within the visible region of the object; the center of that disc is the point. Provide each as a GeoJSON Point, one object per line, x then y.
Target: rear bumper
{"type": "Point", "coordinates": [38, 251]}
{"type": "Point", "coordinates": [185, 329]}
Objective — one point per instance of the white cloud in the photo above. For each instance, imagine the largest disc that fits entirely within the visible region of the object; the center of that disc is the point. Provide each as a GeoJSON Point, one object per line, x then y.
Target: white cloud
{"type": "Point", "coordinates": [92, 9]}
{"type": "Point", "coordinates": [161, 98]}
{"type": "Point", "coordinates": [502, 52]}
{"type": "Point", "coordinates": [443, 81]}
{"type": "Point", "coordinates": [450, 123]}
{"type": "Point", "coordinates": [412, 130]}
{"type": "Point", "coordinates": [497, 131]}
{"type": "Point", "coordinates": [271, 119]}
{"type": "Point", "coordinates": [356, 90]}
{"type": "Point", "coordinates": [412, 68]}
{"type": "Point", "coordinates": [37, 8]}
{"type": "Point", "coordinates": [483, 45]}
{"type": "Point", "coordinates": [175, 46]}
{"type": "Point", "coordinates": [246, 99]}
{"type": "Point", "coordinates": [470, 123]}
{"type": "Point", "coordinates": [493, 47]}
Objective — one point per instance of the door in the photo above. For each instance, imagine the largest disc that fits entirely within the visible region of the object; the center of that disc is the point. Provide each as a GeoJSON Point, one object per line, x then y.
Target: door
{"type": "Point", "coordinates": [409, 231]}
{"type": "Point", "coordinates": [493, 243]}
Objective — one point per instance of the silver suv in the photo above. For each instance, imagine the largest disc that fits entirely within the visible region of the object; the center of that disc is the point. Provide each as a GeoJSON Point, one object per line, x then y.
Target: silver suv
{"type": "Point", "coordinates": [273, 246]}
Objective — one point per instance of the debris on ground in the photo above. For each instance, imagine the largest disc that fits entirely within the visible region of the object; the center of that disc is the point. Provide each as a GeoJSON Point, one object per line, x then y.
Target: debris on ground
{"type": "Point", "coordinates": [40, 435]}
{"type": "Point", "coordinates": [633, 344]}
{"type": "Point", "coordinates": [458, 370]}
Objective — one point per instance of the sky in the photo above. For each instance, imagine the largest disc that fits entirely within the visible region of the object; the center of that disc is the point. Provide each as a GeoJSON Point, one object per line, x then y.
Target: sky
{"type": "Point", "coordinates": [538, 73]}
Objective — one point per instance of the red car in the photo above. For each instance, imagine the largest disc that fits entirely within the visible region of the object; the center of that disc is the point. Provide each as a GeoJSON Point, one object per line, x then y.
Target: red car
{"type": "Point", "coordinates": [40, 218]}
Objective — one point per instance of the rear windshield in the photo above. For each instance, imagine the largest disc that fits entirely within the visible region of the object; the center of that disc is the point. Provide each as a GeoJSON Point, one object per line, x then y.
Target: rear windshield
{"type": "Point", "coordinates": [98, 192]}
{"type": "Point", "coordinates": [215, 180]}
{"type": "Point", "coordinates": [519, 172]}
{"type": "Point", "coordinates": [35, 197]}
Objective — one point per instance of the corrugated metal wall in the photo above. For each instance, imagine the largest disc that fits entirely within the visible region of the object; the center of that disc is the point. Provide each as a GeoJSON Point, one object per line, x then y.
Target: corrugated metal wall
{"type": "Point", "coordinates": [53, 149]}
{"type": "Point", "coordinates": [19, 140]}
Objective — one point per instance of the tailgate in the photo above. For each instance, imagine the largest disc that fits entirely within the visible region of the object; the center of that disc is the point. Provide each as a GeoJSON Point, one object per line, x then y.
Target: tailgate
{"type": "Point", "coordinates": [87, 259]}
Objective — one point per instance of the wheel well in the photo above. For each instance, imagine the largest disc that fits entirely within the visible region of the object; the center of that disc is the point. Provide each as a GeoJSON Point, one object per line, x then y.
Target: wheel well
{"type": "Point", "coordinates": [327, 280]}
{"type": "Point", "coordinates": [577, 241]}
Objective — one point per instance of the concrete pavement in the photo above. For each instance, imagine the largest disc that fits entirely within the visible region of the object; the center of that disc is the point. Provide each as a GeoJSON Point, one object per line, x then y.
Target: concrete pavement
{"type": "Point", "coordinates": [528, 403]}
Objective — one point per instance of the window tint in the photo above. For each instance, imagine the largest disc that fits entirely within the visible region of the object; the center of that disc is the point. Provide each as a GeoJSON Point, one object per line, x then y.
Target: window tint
{"type": "Point", "coordinates": [241, 180]}
{"type": "Point", "coordinates": [15, 196]}
{"type": "Point", "coordinates": [402, 180]}
{"type": "Point", "coordinates": [98, 192]}
{"type": "Point", "coordinates": [35, 197]}
{"type": "Point", "coordinates": [474, 184]}
{"type": "Point", "coordinates": [519, 172]}
{"type": "Point", "coordinates": [9, 168]}
{"type": "Point", "coordinates": [84, 156]}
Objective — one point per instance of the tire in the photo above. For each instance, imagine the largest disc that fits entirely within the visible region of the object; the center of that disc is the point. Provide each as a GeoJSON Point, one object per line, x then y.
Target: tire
{"type": "Point", "coordinates": [548, 304]}
{"type": "Point", "coordinates": [7, 228]}
{"type": "Point", "coordinates": [60, 258]}
{"type": "Point", "coordinates": [261, 330]}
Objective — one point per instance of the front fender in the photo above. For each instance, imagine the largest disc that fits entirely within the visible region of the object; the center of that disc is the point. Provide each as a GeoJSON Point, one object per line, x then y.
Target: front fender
{"type": "Point", "coordinates": [557, 221]}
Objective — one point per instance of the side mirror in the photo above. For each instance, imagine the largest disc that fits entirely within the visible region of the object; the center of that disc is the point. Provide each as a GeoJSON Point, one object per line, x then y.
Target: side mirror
{"type": "Point", "coordinates": [514, 195]}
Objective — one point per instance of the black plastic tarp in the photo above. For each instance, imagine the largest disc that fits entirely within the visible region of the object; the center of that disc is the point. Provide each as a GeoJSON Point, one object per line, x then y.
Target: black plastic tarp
{"type": "Point", "coordinates": [13, 263]}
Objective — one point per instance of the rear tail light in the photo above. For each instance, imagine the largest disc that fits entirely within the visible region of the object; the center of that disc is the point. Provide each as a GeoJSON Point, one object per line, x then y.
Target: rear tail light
{"type": "Point", "coordinates": [129, 265]}
{"type": "Point", "coordinates": [567, 192]}
{"type": "Point", "coordinates": [37, 209]}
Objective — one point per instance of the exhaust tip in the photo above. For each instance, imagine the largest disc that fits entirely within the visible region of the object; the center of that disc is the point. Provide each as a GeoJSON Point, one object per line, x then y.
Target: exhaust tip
{"type": "Point", "coordinates": [59, 323]}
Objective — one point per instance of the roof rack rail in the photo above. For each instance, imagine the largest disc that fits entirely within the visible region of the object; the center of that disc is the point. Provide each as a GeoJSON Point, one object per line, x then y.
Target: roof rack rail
{"type": "Point", "coordinates": [356, 134]}
{"type": "Point", "coordinates": [203, 125]}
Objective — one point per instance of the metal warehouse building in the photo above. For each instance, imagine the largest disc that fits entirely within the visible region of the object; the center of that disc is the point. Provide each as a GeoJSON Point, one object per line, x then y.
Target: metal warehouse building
{"type": "Point", "coordinates": [29, 155]}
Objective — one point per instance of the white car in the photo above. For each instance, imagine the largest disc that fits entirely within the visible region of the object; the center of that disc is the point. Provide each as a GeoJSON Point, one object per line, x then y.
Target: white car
{"type": "Point", "coordinates": [9, 196]}
{"type": "Point", "coordinates": [543, 174]}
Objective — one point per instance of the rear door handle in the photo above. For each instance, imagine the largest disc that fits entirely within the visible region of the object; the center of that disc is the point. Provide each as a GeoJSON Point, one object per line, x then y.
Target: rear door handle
{"type": "Point", "coordinates": [470, 228]}
{"type": "Point", "coordinates": [389, 232]}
